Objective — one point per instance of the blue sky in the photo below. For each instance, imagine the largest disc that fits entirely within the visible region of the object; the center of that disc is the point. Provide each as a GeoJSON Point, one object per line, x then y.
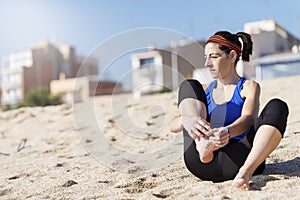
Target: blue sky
{"type": "Point", "coordinates": [84, 24]}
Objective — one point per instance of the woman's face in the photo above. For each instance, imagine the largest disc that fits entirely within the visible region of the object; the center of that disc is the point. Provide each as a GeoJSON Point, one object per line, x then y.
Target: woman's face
{"type": "Point", "coordinates": [218, 62]}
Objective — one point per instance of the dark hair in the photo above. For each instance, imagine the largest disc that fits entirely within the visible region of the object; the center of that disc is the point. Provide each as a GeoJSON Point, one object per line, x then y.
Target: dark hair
{"type": "Point", "coordinates": [234, 38]}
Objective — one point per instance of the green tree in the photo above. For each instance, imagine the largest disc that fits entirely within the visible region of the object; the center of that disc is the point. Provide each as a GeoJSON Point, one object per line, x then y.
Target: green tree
{"type": "Point", "coordinates": [41, 97]}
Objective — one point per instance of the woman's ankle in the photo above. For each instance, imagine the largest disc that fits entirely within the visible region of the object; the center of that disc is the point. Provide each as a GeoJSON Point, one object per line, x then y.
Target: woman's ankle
{"type": "Point", "coordinates": [208, 158]}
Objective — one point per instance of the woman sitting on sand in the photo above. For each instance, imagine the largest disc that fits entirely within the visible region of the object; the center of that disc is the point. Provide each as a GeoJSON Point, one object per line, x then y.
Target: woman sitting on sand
{"type": "Point", "coordinates": [223, 138]}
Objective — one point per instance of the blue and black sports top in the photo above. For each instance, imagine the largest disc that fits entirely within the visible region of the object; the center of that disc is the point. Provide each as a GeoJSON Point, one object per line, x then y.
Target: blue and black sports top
{"type": "Point", "coordinates": [226, 113]}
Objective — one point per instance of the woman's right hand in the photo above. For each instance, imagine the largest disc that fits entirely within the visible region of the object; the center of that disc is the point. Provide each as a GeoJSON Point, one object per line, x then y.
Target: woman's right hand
{"type": "Point", "coordinates": [219, 136]}
{"type": "Point", "coordinates": [196, 126]}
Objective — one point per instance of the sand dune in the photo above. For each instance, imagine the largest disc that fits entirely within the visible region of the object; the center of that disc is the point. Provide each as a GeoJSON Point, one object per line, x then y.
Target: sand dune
{"type": "Point", "coordinates": [117, 147]}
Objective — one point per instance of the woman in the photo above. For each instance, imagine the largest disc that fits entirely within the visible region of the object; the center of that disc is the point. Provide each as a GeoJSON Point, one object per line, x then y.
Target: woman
{"type": "Point", "coordinates": [223, 137]}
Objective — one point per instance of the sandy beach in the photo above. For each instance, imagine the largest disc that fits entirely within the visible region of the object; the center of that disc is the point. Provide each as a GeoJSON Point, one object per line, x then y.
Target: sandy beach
{"type": "Point", "coordinates": [118, 147]}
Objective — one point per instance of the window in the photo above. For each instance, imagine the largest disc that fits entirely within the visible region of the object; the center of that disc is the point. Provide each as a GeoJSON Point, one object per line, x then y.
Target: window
{"type": "Point", "coordinates": [147, 63]}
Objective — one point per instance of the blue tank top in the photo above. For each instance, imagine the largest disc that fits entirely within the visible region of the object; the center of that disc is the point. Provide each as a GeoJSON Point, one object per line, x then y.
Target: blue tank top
{"type": "Point", "coordinates": [226, 113]}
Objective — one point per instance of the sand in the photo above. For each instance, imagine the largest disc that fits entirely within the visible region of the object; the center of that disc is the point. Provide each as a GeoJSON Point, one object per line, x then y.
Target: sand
{"type": "Point", "coordinates": [117, 147]}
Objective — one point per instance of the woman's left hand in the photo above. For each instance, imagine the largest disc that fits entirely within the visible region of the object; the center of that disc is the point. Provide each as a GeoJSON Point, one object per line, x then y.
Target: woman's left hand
{"type": "Point", "coordinates": [219, 136]}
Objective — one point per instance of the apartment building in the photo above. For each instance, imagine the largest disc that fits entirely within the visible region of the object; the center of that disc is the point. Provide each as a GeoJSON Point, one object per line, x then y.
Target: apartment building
{"type": "Point", "coordinates": [73, 90]}
{"type": "Point", "coordinates": [156, 69]}
{"type": "Point", "coordinates": [37, 66]}
{"type": "Point", "coordinates": [273, 55]}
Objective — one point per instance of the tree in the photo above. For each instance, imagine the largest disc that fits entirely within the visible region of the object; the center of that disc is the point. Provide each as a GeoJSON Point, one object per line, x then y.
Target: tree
{"type": "Point", "coordinates": [41, 97]}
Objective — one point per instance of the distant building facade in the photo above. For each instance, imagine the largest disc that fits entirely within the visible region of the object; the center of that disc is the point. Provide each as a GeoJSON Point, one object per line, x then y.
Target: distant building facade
{"type": "Point", "coordinates": [277, 65]}
{"type": "Point", "coordinates": [274, 51]}
{"type": "Point", "coordinates": [157, 69]}
{"type": "Point", "coordinates": [73, 90]}
{"type": "Point", "coordinates": [37, 66]}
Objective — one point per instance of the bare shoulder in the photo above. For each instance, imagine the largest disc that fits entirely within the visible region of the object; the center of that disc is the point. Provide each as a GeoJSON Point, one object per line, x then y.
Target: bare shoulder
{"type": "Point", "coordinates": [251, 84]}
{"type": "Point", "coordinates": [251, 88]}
{"type": "Point", "coordinates": [205, 86]}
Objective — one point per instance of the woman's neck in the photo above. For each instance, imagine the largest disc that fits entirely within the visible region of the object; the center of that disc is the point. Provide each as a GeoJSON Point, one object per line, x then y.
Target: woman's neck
{"type": "Point", "coordinates": [228, 81]}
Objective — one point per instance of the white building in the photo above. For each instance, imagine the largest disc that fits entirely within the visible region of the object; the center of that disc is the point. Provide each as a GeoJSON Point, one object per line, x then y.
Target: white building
{"type": "Point", "coordinates": [11, 76]}
{"type": "Point", "coordinates": [159, 69]}
{"type": "Point", "coordinates": [36, 67]}
{"type": "Point", "coordinates": [269, 38]}
{"type": "Point", "coordinates": [277, 65]}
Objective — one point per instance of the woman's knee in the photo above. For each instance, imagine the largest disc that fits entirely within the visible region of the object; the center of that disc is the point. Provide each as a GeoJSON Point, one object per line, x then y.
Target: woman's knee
{"type": "Point", "coordinates": [191, 89]}
{"type": "Point", "coordinates": [279, 106]}
{"type": "Point", "coordinates": [275, 114]}
{"type": "Point", "coordinates": [190, 85]}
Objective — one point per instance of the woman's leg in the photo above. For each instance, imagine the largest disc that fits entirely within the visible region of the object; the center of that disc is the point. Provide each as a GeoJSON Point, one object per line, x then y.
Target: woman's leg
{"type": "Point", "coordinates": [192, 102]}
{"type": "Point", "coordinates": [191, 91]}
{"type": "Point", "coordinates": [270, 129]}
{"type": "Point", "coordinates": [194, 107]}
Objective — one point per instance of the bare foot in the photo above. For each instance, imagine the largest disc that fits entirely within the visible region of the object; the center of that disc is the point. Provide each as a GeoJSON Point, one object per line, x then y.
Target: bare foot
{"type": "Point", "coordinates": [242, 179]}
{"type": "Point", "coordinates": [205, 148]}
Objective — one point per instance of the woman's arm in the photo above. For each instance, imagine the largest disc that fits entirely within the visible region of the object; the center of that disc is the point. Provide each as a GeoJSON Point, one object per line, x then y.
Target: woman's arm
{"type": "Point", "coordinates": [191, 115]}
{"type": "Point", "coordinates": [251, 93]}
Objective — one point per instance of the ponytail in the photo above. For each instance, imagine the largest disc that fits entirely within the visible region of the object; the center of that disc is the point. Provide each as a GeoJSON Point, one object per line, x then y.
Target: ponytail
{"type": "Point", "coordinates": [247, 45]}
{"type": "Point", "coordinates": [244, 50]}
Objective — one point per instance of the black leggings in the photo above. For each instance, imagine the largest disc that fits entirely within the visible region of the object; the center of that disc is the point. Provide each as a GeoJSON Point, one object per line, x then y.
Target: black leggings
{"type": "Point", "coordinates": [229, 159]}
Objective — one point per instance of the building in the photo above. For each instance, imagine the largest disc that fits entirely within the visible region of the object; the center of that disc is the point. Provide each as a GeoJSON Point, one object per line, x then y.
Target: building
{"type": "Point", "coordinates": [37, 66]}
{"type": "Point", "coordinates": [278, 65]}
{"type": "Point", "coordinates": [272, 43]}
{"type": "Point", "coordinates": [158, 69]}
{"type": "Point", "coordinates": [73, 90]}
